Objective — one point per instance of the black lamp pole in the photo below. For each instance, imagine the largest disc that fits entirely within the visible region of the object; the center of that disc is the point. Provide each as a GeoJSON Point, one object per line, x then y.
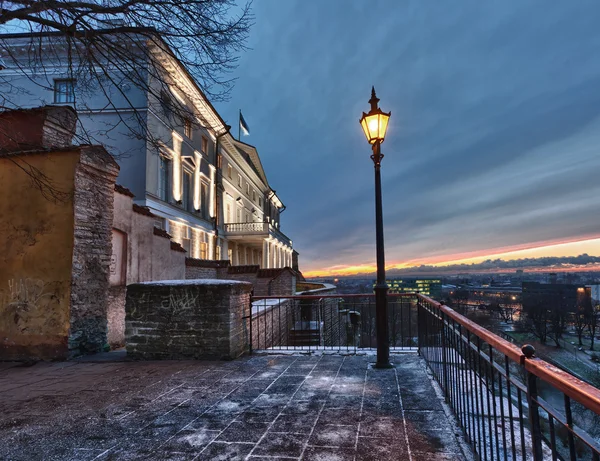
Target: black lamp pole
{"type": "Point", "coordinates": [381, 288]}
{"type": "Point", "coordinates": [374, 125]}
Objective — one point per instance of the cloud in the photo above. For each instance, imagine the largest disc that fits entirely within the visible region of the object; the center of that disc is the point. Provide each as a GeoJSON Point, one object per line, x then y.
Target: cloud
{"type": "Point", "coordinates": [493, 137]}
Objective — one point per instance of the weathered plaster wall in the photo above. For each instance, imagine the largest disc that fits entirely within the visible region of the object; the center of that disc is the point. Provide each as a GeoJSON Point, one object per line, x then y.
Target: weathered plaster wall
{"type": "Point", "coordinates": [36, 249]}
{"type": "Point", "coordinates": [147, 257]}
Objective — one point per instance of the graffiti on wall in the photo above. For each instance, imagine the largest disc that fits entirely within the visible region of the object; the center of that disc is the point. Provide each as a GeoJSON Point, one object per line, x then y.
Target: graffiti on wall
{"type": "Point", "coordinates": [175, 303]}
{"type": "Point", "coordinates": [22, 299]}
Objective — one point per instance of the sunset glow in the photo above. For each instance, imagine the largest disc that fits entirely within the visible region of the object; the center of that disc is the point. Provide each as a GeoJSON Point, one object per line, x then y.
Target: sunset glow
{"type": "Point", "coordinates": [590, 246]}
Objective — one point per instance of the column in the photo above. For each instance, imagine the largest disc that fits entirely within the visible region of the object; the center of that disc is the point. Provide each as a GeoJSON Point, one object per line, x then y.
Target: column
{"type": "Point", "coordinates": [198, 158]}
{"type": "Point", "coordinates": [234, 253]}
{"type": "Point", "coordinates": [212, 192]}
{"type": "Point", "coordinates": [265, 259]}
{"type": "Point", "coordinates": [177, 170]}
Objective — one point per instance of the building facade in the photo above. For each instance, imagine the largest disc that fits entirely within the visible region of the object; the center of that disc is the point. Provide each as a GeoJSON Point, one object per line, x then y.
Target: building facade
{"type": "Point", "coordinates": [208, 190]}
{"type": "Point", "coordinates": [427, 287]}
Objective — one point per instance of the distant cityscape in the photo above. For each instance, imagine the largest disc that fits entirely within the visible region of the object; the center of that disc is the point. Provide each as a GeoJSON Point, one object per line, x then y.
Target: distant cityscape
{"type": "Point", "coordinates": [557, 312]}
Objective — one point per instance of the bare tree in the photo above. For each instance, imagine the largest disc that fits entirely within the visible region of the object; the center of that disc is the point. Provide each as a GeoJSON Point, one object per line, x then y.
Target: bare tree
{"type": "Point", "coordinates": [592, 323]}
{"type": "Point", "coordinates": [110, 46]}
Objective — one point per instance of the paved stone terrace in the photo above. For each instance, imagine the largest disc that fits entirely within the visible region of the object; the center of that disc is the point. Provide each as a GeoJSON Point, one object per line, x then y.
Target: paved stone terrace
{"type": "Point", "coordinates": [326, 407]}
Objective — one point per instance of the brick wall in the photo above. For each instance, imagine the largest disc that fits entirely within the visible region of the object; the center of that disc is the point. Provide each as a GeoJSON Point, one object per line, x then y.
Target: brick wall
{"type": "Point", "coordinates": [187, 320]}
{"type": "Point", "coordinates": [265, 281]}
{"type": "Point", "coordinates": [95, 177]}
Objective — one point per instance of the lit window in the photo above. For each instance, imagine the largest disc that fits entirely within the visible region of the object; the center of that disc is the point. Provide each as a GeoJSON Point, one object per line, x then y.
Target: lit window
{"type": "Point", "coordinates": [186, 241]}
{"type": "Point", "coordinates": [203, 250]}
{"type": "Point", "coordinates": [64, 91]}
{"type": "Point", "coordinates": [204, 145]}
{"type": "Point", "coordinates": [187, 127]}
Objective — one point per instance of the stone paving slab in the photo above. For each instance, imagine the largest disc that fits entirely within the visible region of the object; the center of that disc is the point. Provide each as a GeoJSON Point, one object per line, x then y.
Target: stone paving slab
{"type": "Point", "coordinates": [327, 407]}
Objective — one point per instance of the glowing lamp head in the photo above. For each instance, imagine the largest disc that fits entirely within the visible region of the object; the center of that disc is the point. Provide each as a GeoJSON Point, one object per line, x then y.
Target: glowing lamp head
{"type": "Point", "coordinates": [375, 123]}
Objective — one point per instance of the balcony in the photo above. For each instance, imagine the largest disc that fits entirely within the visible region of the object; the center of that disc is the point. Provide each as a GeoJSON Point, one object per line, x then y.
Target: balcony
{"type": "Point", "coordinates": [255, 231]}
{"type": "Point", "coordinates": [456, 392]}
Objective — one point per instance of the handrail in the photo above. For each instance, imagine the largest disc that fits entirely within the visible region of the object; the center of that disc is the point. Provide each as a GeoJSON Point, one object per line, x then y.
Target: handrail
{"type": "Point", "coordinates": [578, 390]}
{"type": "Point", "coordinates": [352, 295]}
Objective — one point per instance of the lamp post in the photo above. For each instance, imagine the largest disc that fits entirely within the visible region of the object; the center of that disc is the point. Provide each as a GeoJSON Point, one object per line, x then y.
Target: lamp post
{"type": "Point", "coordinates": [375, 124]}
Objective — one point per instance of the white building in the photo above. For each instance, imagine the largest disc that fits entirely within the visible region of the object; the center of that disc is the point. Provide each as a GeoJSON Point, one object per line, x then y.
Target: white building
{"type": "Point", "coordinates": [209, 190]}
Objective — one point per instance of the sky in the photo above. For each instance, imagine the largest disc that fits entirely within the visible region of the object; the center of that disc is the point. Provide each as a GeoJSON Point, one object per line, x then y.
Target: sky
{"type": "Point", "coordinates": [494, 140]}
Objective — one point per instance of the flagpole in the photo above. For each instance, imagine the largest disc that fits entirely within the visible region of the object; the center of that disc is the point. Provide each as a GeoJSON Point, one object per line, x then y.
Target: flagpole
{"type": "Point", "coordinates": [239, 125]}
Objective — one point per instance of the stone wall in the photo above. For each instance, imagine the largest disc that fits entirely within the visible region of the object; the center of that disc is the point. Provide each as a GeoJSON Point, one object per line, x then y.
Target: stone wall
{"type": "Point", "coordinates": [266, 282]}
{"type": "Point", "coordinates": [193, 319]}
{"type": "Point", "coordinates": [95, 177]}
{"type": "Point", "coordinates": [205, 269]}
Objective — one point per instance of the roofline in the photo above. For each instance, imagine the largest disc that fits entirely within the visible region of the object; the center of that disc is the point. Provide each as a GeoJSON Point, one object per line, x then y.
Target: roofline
{"type": "Point", "coordinates": [150, 30]}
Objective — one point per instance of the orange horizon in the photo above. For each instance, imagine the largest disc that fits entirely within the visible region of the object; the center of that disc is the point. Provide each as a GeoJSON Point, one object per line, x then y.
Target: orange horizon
{"type": "Point", "coordinates": [557, 248]}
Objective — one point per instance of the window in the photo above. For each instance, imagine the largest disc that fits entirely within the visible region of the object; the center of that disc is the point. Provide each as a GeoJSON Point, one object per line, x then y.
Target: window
{"type": "Point", "coordinates": [248, 189]}
{"type": "Point", "coordinates": [160, 223]}
{"type": "Point", "coordinates": [204, 145]}
{"type": "Point", "coordinates": [203, 250]}
{"type": "Point", "coordinates": [239, 215]}
{"type": "Point", "coordinates": [64, 91]}
{"type": "Point", "coordinates": [239, 180]}
{"type": "Point", "coordinates": [186, 240]}
{"type": "Point", "coordinates": [228, 215]}
{"type": "Point", "coordinates": [164, 178]}
{"type": "Point", "coordinates": [187, 127]}
{"type": "Point", "coordinates": [230, 254]}
{"type": "Point", "coordinates": [229, 171]}
{"type": "Point", "coordinates": [166, 104]}
{"type": "Point", "coordinates": [204, 200]}
{"type": "Point", "coordinates": [188, 191]}
{"type": "Point", "coordinates": [247, 217]}
{"type": "Point", "coordinates": [218, 250]}
{"type": "Point", "coordinates": [260, 202]}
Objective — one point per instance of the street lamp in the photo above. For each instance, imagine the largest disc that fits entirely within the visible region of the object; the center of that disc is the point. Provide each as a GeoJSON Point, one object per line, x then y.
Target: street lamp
{"type": "Point", "coordinates": [375, 124]}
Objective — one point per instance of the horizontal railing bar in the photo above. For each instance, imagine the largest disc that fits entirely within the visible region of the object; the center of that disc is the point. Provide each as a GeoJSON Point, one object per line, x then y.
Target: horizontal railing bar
{"type": "Point", "coordinates": [354, 295]}
{"type": "Point", "coordinates": [582, 392]}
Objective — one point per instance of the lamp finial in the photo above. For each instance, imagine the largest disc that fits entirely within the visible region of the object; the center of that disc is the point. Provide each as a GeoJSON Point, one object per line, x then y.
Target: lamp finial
{"type": "Point", "coordinates": [374, 99]}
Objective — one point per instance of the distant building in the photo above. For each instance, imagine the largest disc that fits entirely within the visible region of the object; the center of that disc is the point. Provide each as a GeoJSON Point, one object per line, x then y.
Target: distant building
{"type": "Point", "coordinates": [554, 296]}
{"type": "Point", "coordinates": [427, 287]}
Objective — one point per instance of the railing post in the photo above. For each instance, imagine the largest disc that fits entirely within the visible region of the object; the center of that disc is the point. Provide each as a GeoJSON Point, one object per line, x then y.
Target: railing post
{"type": "Point", "coordinates": [534, 412]}
{"type": "Point", "coordinates": [444, 358]}
{"type": "Point", "coordinates": [250, 320]}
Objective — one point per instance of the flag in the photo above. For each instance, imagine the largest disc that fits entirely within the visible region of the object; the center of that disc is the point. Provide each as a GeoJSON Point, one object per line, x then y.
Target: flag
{"type": "Point", "coordinates": [244, 125]}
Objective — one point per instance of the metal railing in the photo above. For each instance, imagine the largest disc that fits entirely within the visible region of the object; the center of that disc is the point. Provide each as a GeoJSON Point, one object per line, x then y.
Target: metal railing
{"type": "Point", "coordinates": [510, 404]}
{"type": "Point", "coordinates": [329, 322]}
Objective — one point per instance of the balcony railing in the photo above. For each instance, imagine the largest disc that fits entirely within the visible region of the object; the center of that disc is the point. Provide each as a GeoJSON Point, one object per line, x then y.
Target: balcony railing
{"type": "Point", "coordinates": [510, 405]}
{"type": "Point", "coordinates": [257, 228]}
{"type": "Point", "coordinates": [247, 227]}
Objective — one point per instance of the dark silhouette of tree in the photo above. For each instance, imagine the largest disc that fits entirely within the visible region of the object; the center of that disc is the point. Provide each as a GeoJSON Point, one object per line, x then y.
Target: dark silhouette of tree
{"type": "Point", "coordinates": [592, 323]}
